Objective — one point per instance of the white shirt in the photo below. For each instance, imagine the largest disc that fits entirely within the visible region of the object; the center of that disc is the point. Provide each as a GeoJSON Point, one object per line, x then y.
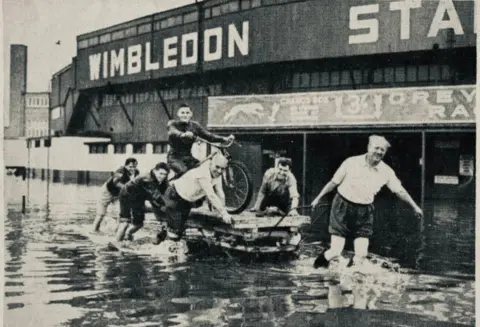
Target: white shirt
{"type": "Point", "coordinates": [188, 186]}
{"type": "Point", "coordinates": [358, 182]}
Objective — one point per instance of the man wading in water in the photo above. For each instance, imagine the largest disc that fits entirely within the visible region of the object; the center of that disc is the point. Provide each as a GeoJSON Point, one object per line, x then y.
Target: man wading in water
{"type": "Point", "coordinates": [357, 181]}
{"type": "Point", "coordinates": [110, 191]}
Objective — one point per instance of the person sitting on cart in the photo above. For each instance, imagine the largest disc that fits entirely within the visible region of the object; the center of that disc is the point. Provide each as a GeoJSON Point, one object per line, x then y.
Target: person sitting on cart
{"type": "Point", "coordinates": [110, 190]}
{"type": "Point", "coordinates": [278, 192]}
{"type": "Point", "coordinates": [150, 186]}
{"type": "Point", "coordinates": [181, 195]}
{"type": "Point", "coordinates": [182, 133]}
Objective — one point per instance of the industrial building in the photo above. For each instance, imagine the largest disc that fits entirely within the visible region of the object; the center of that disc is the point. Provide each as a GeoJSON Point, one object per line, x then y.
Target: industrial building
{"type": "Point", "coordinates": [307, 79]}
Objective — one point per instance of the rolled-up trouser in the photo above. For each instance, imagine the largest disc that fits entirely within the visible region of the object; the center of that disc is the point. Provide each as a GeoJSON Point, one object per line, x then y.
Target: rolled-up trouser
{"type": "Point", "coordinates": [177, 210]}
{"type": "Point", "coordinates": [280, 198]}
{"type": "Point", "coordinates": [180, 164]}
{"type": "Point", "coordinates": [132, 211]}
{"type": "Point", "coordinates": [350, 219]}
{"type": "Point", "coordinates": [106, 198]}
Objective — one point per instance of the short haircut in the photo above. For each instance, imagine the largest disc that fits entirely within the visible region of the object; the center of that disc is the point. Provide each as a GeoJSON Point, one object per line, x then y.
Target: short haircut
{"type": "Point", "coordinates": [283, 161]}
{"type": "Point", "coordinates": [131, 160]}
{"type": "Point", "coordinates": [162, 165]}
{"type": "Point", "coordinates": [184, 105]}
{"type": "Point", "coordinates": [377, 138]}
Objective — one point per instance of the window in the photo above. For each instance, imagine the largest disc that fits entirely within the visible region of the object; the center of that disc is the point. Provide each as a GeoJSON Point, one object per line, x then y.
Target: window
{"type": "Point", "coordinates": [93, 41]}
{"type": "Point", "coordinates": [423, 73]}
{"type": "Point", "coordinates": [119, 148]}
{"type": "Point", "coordinates": [215, 89]}
{"type": "Point", "coordinates": [190, 17]}
{"type": "Point", "coordinates": [156, 26]}
{"type": "Point", "coordinates": [160, 147]}
{"type": "Point", "coordinates": [37, 142]}
{"type": "Point", "coordinates": [105, 38]}
{"type": "Point", "coordinates": [229, 7]}
{"type": "Point", "coordinates": [98, 148]}
{"type": "Point", "coordinates": [411, 73]}
{"type": "Point", "coordinates": [139, 148]}
{"type": "Point", "coordinates": [256, 3]}
{"type": "Point", "coordinates": [378, 75]}
{"type": "Point", "coordinates": [245, 4]}
{"type": "Point", "coordinates": [207, 12]}
{"type": "Point", "coordinates": [145, 28]}
{"type": "Point", "coordinates": [305, 80]}
{"type": "Point", "coordinates": [216, 11]}
{"type": "Point", "coordinates": [335, 77]}
{"type": "Point", "coordinates": [389, 75]}
{"type": "Point", "coordinates": [400, 74]}
{"type": "Point", "coordinates": [446, 72]}
{"type": "Point", "coordinates": [131, 31]}
{"type": "Point", "coordinates": [118, 35]}
{"type": "Point", "coordinates": [345, 77]}
{"type": "Point", "coordinates": [82, 44]}
{"type": "Point", "coordinates": [435, 73]}
{"type": "Point", "coordinates": [47, 142]}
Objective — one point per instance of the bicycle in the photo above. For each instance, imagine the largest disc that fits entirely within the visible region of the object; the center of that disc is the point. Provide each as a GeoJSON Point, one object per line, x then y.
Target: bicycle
{"type": "Point", "coordinates": [237, 180]}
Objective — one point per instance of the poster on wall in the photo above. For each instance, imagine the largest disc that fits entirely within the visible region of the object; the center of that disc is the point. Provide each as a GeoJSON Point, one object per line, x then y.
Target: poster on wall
{"type": "Point", "coordinates": [418, 105]}
{"type": "Point", "coordinates": [466, 165]}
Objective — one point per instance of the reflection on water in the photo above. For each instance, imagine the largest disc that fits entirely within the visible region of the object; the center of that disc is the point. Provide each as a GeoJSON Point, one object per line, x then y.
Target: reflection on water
{"type": "Point", "coordinates": [57, 277]}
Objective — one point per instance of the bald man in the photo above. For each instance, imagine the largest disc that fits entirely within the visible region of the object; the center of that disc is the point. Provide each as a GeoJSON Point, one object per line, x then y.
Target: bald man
{"type": "Point", "coordinates": [197, 183]}
{"type": "Point", "coordinates": [357, 181]}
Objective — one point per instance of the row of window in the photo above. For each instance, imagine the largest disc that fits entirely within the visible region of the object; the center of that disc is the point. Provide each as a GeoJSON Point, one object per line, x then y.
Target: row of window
{"type": "Point", "coordinates": [38, 143]}
{"type": "Point", "coordinates": [36, 132]}
{"type": "Point", "coordinates": [121, 148]}
{"type": "Point", "coordinates": [400, 74]}
{"type": "Point", "coordinates": [37, 102]}
{"type": "Point", "coordinates": [169, 94]}
{"type": "Point", "coordinates": [222, 9]}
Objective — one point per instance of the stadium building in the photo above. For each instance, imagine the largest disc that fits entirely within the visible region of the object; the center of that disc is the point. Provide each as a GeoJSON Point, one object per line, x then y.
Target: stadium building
{"type": "Point", "coordinates": [306, 79]}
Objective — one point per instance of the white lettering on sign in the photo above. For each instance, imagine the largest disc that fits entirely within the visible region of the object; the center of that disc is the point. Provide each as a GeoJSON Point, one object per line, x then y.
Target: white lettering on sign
{"type": "Point", "coordinates": [170, 52]}
{"type": "Point", "coordinates": [117, 62]}
{"type": "Point", "coordinates": [210, 35]}
{"type": "Point", "coordinates": [444, 96]}
{"type": "Point", "coordinates": [404, 8]}
{"type": "Point", "coordinates": [177, 50]}
{"type": "Point", "coordinates": [94, 61]}
{"type": "Point", "coordinates": [234, 39]}
{"type": "Point", "coordinates": [193, 39]}
{"type": "Point", "coordinates": [149, 65]}
{"type": "Point", "coordinates": [358, 24]}
{"type": "Point", "coordinates": [445, 6]}
{"type": "Point", "coordinates": [371, 27]}
{"type": "Point", "coordinates": [134, 59]}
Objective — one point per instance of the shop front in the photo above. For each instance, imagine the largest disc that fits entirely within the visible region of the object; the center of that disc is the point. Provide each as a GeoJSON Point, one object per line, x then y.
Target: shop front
{"type": "Point", "coordinates": [431, 130]}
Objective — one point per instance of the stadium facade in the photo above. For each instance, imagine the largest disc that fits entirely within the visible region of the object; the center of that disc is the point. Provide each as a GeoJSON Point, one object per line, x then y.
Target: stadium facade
{"type": "Point", "coordinates": [305, 79]}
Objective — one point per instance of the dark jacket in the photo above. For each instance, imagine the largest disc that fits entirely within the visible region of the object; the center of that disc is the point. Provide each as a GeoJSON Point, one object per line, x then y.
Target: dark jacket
{"type": "Point", "coordinates": [119, 178]}
{"type": "Point", "coordinates": [145, 187]}
{"type": "Point", "coordinates": [183, 145]}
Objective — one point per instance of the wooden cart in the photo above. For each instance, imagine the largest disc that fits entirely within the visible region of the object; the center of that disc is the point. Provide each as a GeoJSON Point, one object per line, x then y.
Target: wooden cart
{"type": "Point", "coordinates": [249, 234]}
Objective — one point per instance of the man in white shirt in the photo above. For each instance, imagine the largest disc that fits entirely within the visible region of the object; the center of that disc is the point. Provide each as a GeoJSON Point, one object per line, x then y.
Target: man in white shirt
{"type": "Point", "coordinates": [202, 181]}
{"type": "Point", "coordinates": [278, 189]}
{"type": "Point", "coordinates": [357, 181]}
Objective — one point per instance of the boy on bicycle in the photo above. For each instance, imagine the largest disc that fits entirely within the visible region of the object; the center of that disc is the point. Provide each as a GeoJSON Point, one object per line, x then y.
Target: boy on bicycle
{"type": "Point", "coordinates": [182, 133]}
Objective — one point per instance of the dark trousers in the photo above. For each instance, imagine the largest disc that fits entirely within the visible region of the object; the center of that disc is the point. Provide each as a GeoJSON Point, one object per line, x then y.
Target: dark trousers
{"type": "Point", "coordinates": [279, 197]}
{"type": "Point", "coordinates": [176, 210]}
{"type": "Point", "coordinates": [348, 219]}
{"type": "Point", "coordinates": [180, 164]}
{"type": "Point", "coordinates": [132, 211]}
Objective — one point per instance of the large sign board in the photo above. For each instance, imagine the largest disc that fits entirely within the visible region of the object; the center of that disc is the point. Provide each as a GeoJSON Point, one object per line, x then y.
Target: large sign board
{"type": "Point", "coordinates": [304, 30]}
{"type": "Point", "coordinates": [419, 105]}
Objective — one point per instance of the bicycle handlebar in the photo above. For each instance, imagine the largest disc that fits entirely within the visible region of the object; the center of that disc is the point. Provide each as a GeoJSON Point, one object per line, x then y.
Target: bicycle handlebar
{"type": "Point", "coordinates": [218, 145]}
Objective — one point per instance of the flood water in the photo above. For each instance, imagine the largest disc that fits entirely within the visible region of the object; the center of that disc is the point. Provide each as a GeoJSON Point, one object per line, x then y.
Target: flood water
{"type": "Point", "coordinates": [54, 276]}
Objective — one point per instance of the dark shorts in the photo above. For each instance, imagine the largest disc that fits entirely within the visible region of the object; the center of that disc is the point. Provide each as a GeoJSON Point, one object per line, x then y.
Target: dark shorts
{"type": "Point", "coordinates": [132, 211]}
{"type": "Point", "coordinates": [348, 219]}
{"type": "Point", "coordinates": [180, 164]}
{"type": "Point", "coordinates": [176, 210]}
{"type": "Point", "coordinates": [280, 198]}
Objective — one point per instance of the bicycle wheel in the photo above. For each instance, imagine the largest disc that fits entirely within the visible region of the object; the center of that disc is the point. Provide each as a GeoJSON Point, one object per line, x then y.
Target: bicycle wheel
{"type": "Point", "coordinates": [237, 185]}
